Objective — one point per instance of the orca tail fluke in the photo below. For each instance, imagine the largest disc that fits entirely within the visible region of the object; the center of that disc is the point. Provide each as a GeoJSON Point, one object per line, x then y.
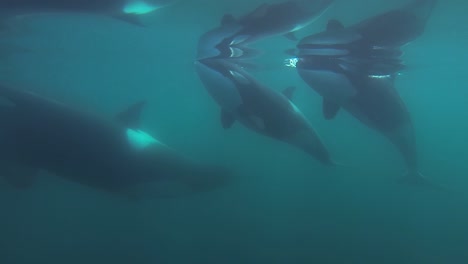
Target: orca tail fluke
{"type": "Point", "coordinates": [415, 178]}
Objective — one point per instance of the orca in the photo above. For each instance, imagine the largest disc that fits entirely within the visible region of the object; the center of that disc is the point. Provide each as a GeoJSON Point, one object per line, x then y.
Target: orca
{"type": "Point", "coordinates": [259, 108]}
{"type": "Point", "coordinates": [233, 35]}
{"type": "Point", "coordinates": [124, 10]}
{"type": "Point", "coordinates": [354, 68]}
{"type": "Point", "coordinates": [116, 156]}
{"type": "Point", "coordinates": [372, 45]}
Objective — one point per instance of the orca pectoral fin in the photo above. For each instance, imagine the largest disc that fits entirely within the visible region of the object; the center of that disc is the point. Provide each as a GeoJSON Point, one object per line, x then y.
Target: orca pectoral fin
{"type": "Point", "coordinates": [129, 18]}
{"type": "Point", "coordinates": [227, 119]}
{"type": "Point", "coordinates": [18, 176]}
{"type": "Point", "coordinates": [330, 109]}
{"type": "Point", "coordinates": [291, 36]}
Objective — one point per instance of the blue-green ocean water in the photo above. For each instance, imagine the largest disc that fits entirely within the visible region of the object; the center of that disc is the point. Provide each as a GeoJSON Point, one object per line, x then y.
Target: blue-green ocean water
{"type": "Point", "coordinates": [283, 207]}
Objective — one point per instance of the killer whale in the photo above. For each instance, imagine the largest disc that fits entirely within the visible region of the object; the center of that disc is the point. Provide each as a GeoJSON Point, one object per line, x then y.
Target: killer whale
{"type": "Point", "coordinates": [231, 38]}
{"type": "Point", "coordinates": [259, 108]}
{"type": "Point", "coordinates": [372, 46]}
{"type": "Point", "coordinates": [116, 156]}
{"type": "Point", "coordinates": [354, 68]}
{"type": "Point", "coordinates": [124, 10]}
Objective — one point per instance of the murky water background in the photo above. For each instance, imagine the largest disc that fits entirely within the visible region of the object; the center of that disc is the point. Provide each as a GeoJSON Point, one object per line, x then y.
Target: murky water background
{"type": "Point", "coordinates": [284, 207]}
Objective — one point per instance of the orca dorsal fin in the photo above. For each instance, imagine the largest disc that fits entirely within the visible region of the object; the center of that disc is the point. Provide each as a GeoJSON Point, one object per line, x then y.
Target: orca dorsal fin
{"type": "Point", "coordinates": [334, 24]}
{"type": "Point", "coordinates": [130, 117]}
{"type": "Point", "coordinates": [228, 19]}
{"type": "Point", "coordinates": [289, 92]}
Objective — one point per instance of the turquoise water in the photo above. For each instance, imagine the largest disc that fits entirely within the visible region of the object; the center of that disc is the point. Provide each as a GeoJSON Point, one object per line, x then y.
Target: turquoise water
{"type": "Point", "coordinates": [283, 207]}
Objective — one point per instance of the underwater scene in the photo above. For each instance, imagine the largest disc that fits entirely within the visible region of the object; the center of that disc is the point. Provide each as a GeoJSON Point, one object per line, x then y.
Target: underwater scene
{"type": "Point", "coordinates": [232, 132]}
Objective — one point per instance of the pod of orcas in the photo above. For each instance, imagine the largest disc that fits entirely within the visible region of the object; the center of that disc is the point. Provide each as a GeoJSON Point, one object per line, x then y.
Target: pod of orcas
{"type": "Point", "coordinates": [352, 68]}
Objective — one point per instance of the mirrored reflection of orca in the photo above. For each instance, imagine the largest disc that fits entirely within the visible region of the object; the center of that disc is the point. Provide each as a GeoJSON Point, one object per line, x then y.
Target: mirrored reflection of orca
{"type": "Point", "coordinates": [110, 155]}
{"type": "Point", "coordinates": [259, 108]}
{"type": "Point", "coordinates": [125, 10]}
{"type": "Point", "coordinates": [354, 68]}
{"type": "Point", "coordinates": [231, 37]}
{"type": "Point", "coordinates": [371, 46]}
